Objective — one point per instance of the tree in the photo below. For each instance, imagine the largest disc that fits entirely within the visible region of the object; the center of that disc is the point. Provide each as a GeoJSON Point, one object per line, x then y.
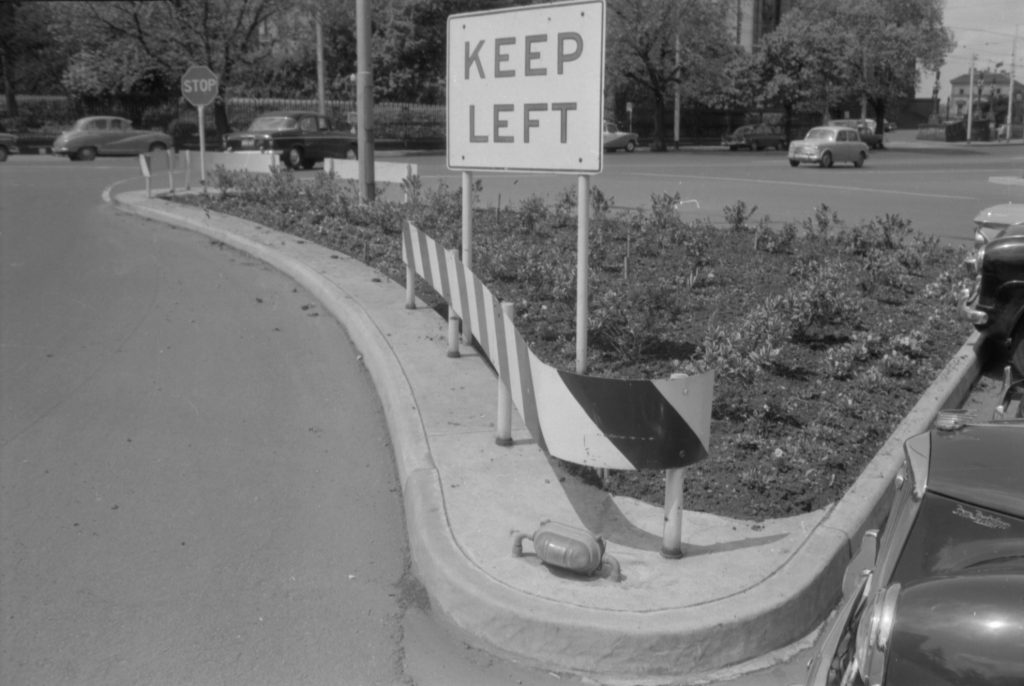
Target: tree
{"type": "Point", "coordinates": [170, 35]}
{"type": "Point", "coordinates": [30, 61]}
{"type": "Point", "coordinates": [410, 46]}
{"type": "Point", "coordinates": [658, 45]}
{"type": "Point", "coordinates": [894, 40]}
{"type": "Point", "coordinates": [803, 66]}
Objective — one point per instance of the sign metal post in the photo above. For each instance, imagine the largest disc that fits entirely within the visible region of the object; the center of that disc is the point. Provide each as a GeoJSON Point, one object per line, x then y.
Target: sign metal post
{"type": "Point", "coordinates": [199, 86]}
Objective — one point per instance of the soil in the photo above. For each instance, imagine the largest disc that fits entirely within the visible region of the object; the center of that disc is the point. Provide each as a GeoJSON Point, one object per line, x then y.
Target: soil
{"type": "Point", "coordinates": [822, 336]}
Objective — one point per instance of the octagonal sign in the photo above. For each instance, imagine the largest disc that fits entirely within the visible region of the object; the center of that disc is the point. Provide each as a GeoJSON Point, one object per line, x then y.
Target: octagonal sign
{"type": "Point", "coordinates": [199, 86]}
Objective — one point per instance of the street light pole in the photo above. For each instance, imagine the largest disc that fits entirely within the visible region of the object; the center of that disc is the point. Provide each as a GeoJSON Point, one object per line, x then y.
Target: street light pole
{"type": "Point", "coordinates": [364, 101]}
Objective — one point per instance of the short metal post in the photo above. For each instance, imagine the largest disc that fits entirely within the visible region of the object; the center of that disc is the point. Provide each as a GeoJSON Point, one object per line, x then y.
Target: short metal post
{"type": "Point", "coordinates": [672, 540]}
{"type": "Point", "coordinates": [170, 169]}
{"type": "Point", "coordinates": [453, 322]}
{"type": "Point", "coordinates": [410, 287]}
{"type": "Point", "coordinates": [504, 422]}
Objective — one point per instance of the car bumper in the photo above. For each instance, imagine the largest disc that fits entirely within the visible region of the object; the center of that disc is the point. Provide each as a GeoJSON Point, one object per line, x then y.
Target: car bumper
{"type": "Point", "coordinates": [967, 306]}
{"type": "Point", "coordinates": [802, 156]}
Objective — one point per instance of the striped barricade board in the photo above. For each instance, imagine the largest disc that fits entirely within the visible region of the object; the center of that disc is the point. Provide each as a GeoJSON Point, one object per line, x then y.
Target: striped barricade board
{"type": "Point", "coordinates": [590, 420]}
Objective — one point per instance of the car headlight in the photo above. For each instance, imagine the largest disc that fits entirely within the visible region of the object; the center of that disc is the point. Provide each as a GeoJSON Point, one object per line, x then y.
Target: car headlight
{"type": "Point", "coordinates": [874, 635]}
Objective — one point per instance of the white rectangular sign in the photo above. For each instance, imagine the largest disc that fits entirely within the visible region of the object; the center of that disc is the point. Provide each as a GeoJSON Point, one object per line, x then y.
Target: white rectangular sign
{"type": "Point", "coordinates": [526, 88]}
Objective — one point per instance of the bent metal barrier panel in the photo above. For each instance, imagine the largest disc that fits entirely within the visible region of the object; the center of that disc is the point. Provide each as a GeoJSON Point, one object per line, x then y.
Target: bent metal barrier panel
{"type": "Point", "coordinates": [594, 421]}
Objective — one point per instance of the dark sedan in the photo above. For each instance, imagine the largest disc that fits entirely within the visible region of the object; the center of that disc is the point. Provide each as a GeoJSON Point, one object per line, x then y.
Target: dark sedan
{"type": "Point", "coordinates": [302, 139]}
{"type": "Point", "coordinates": [755, 137]}
{"type": "Point", "coordinates": [937, 597]}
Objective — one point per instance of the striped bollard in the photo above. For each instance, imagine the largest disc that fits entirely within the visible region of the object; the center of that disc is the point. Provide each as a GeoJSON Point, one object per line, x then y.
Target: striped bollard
{"type": "Point", "coordinates": [672, 539]}
{"type": "Point", "coordinates": [504, 422]}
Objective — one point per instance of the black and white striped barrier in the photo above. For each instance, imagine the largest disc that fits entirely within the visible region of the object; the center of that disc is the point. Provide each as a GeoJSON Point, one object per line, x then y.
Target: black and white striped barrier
{"type": "Point", "coordinates": [589, 420]}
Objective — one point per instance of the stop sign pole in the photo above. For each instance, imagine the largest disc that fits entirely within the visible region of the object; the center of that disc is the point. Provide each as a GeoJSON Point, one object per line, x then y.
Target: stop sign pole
{"type": "Point", "coordinates": [199, 86]}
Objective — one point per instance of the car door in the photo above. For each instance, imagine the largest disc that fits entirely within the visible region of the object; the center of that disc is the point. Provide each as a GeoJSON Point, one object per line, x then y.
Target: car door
{"type": "Point", "coordinates": [845, 141]}
{"type": "Point", "coordinates": [121, 138]}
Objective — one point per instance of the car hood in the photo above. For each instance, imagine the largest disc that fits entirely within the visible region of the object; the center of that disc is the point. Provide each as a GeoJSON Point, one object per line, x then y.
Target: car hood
{"type": "Point", "coordinates": [999, 216]}
{"type": "Point", "coordinates": [965, 628]}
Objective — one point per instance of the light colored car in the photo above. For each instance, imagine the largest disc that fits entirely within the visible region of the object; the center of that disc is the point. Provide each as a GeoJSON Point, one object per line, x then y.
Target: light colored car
{"type": "Point", "coordinates": [826, 145]}
{"type": "Point", "coordinates": [8, 145]}
{"type": "Point", "coordinates": [93, 136]}
{"type": "Point", "coordinates": [614, 139]}
{"type": "Point", "coordinates": [301, 139]}
{"type": "Point", "coordinates": [756, 137]}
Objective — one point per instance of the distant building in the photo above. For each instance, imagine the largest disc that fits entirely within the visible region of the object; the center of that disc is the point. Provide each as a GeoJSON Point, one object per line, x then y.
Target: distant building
{"type": "Point", "coordinates": [752, 19]}
{"type": "Point", "coordinates": [990, 98]}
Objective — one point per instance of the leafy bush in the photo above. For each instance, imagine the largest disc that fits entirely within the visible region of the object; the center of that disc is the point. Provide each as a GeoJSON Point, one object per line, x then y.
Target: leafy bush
{"type": "Point", "coordinates": [822, 335]}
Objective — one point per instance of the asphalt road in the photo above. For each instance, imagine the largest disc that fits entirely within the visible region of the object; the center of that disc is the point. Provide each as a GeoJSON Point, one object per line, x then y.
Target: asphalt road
{"type": "Point", "coordinates": [938, 188]}
{"type": "Point", "coordinates": [196, 482]}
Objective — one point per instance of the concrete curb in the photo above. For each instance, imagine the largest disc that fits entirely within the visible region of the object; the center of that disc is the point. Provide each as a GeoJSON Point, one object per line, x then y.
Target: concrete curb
{"type": "Point", "coordinates": [506, 621]}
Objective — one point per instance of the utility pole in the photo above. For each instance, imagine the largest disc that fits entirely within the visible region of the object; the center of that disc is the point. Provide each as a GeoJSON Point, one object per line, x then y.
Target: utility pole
{"type": "Point", "coordinates": [1013, 80]}
{"type": "Point", "coordinates": [970, 101]}
{"type": "Point", "coordinates": [321, 90]}
{"type": "Point", "coordinates": [364, 101]}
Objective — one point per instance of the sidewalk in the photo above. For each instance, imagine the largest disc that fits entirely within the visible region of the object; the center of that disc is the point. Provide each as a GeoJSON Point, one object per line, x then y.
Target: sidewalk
{"type": "Point", "coordinates": [742, 589]}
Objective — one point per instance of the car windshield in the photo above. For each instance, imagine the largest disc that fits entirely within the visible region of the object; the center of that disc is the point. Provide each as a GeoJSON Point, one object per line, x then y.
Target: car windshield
{"type": "Point", "coordinates": [273, 123]}
{"type": "Point", "coordinates": [950, 536]}
{"type": "Point", "coordinates": [820, 135]}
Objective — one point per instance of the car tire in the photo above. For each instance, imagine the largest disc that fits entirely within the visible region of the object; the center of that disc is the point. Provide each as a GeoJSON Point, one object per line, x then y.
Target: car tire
{"type": "Point", "coordinates": [859, 162]}
{"type": "Point", "coordinates": [1017, 348]}
{"type": "Point", "coordinates": [630, 146]}
{"type": "Point", "coordinates": [826, 160]}
{"type": "Point", "coordinates": [85, 154]}
{"type": "Point", "coordinates": [3, 154]}
{"type": "Point", "coordinates": [293, 157]}
{"type": "Point", "coordinates": [794, 163]}
{"type": "Point", "coordinates": [157, 147]}
{"type": "Point", "coordinates": [352, 153]}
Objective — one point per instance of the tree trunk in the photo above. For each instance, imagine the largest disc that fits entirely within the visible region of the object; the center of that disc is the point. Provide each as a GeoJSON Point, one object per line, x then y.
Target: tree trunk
{"type": "Point", "coordinates": [658, 144]}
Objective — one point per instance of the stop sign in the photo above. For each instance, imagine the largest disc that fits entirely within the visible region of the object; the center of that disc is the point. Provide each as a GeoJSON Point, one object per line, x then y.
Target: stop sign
{"type": "Point", "coordinates": [199, 86]}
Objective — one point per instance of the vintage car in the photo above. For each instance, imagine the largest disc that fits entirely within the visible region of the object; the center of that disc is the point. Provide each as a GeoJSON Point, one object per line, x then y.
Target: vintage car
{"type": "Point", "coordinates": [994, 301]}
{"type": "Point", "coordinates": [866, 129]}
{"type": "Point", "coordinates": [8, 145]}
{"type": "Point", "coordinates": [936, 597]}
{"type": "Point", "coordinates": [615, 139]}
{"type": "Point", "coordinates": [755, 137]}
{"type": "Point", "coordinates": [301, 139]}
{"type": "Point", "coordinates": [826, 145]}
{"type": "Point", "coordinates": [92, 136]}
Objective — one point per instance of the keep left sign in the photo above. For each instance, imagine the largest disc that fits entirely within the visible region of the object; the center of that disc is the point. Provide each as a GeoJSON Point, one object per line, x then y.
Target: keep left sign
{"type": "Point", "coordinates": [526, 88]}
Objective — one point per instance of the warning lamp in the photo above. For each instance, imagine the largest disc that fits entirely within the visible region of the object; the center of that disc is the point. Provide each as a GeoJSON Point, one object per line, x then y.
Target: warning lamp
{"type": "Point", "coordinates": [568, 547]}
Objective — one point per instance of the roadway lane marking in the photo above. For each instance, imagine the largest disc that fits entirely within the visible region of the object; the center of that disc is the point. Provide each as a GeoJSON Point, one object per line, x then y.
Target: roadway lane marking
{"type": "Point", "coordinates": [732, 179]}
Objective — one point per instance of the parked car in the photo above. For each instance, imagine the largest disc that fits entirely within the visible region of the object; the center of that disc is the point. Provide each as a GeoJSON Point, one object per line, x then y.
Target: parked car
{"type": "Point", "coordinates": [994, 301]}
{"type": "Point", "coordinates": [301, 139]}
{"type": "Point", "coordinates": [614, 139]}
{"type": "Point", "coordinates": [755, 137]}
{"type": "Point", "coordinates": [937, 596]}
{"type": "Point", "coordinates": [866, 129]}
{"type": "Point", "coordinates": [825, 145]}
{"type": "Point", "coordinates": [92, 136]}
{"type": "Point", "coordinates": [8, 145]}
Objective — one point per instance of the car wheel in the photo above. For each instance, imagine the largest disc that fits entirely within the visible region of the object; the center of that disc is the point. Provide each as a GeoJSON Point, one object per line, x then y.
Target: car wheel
{"type": "Point", "coordinates": [293, 158]}
{"type": "Point", "coordinates": [1017, 348]}
{"type": "Point", "coordinates": [794, 163]}
{"type": "Point", "coordinates": [826, 160]}
{"type": "Point", "coordinates": [352, 153]}
{"type": "Point", "coordinates": [156, 147]}
{"type": "Point", "coordinates": [3, 154]}
{"type": "Point", "coordinates": [859, 162]}
{"type": "Point", "coordinates": [86, 154]}
{"type": "Point", "coordinates": [630, 146]}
